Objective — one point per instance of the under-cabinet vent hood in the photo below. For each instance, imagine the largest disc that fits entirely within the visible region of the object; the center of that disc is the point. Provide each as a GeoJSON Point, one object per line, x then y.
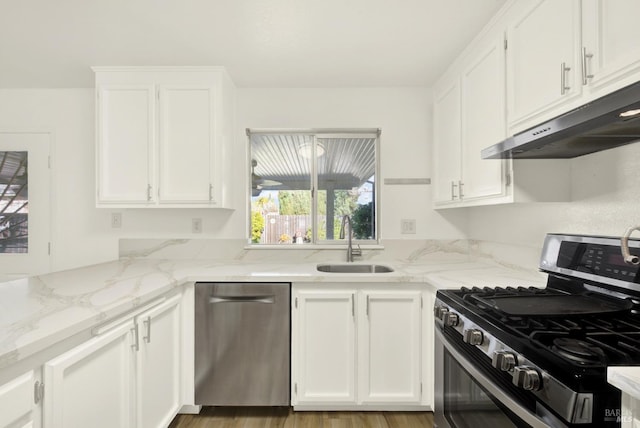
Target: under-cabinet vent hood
{"type": "Point", "coordinates": [602, 124]}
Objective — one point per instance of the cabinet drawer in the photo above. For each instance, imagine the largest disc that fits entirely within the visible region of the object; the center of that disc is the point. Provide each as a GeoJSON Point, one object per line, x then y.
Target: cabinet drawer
{"type": "Point", "coordinates": [16, 398]}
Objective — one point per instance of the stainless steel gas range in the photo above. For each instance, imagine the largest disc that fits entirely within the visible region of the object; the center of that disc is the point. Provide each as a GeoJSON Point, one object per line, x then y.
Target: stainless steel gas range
{"type": "Point", "coordinates": [538, 357]}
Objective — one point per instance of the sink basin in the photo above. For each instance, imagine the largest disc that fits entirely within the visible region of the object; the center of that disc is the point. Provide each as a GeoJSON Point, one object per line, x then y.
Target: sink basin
{"type": "Point", "coordinates": [354, 268]}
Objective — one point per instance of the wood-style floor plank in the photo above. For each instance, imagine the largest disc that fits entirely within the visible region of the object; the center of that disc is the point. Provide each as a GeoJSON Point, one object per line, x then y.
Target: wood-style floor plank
{"type": "Point", "coordinates": [284, 417]}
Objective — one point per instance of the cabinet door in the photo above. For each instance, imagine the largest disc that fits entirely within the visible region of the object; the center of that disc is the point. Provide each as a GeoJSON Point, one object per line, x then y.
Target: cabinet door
{"type": "Point", "coordinates": [611, 34]}
{"type": "Point", "coordinates": [125, 147]}
{"type": "Point", "coordinates": [90, 385]}
{"type": "Point", "coordinates": [446, 136]}
{"type": "Point", "coordinates": [187, 140]}
{"type": "Point", "coordinates": [428, 348]}
{"type": "Point", "coordinates": [483, 120]}
{"type": "Point", "coordinates": [324, 348]}
{"type": "Point", "coordinates": [17, 408]}
{"type": "Point", "coordinates": [158, 365]}
{"type": "Point", "coordinates": [543, 61]}
{"type": "Point", "coordinates": [390, 347]}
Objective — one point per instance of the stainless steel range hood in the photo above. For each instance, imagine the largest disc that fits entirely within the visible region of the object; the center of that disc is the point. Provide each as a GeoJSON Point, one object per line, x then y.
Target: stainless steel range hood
{"type": "Point", "coordinates": [599, 125]}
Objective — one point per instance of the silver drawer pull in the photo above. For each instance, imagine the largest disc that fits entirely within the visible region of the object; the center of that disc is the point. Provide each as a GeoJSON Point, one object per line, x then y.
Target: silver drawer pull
{"type": "Point", "coordinates": [564, 85]}
{"type": "Point", "coordinates": [243, 299]}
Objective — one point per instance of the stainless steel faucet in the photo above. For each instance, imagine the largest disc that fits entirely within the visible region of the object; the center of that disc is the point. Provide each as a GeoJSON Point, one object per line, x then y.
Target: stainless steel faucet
{"type": "Point", "coordinates": [346, 220]}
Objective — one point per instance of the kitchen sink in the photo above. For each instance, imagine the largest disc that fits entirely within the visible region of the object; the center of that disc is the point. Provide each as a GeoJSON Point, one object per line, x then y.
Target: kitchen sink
{"type": "Point", "coordinates": [354, 268]}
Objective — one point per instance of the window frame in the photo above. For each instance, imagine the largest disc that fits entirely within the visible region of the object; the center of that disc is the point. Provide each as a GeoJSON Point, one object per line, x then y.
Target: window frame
{"type": "Point", "coordinates": [320, 133]}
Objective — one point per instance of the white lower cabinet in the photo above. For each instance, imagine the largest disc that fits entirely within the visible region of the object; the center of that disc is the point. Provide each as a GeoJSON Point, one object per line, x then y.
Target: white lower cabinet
{"type": "Point", "coordinates": [389, 347]}
{"type": "Point", "coordinates": [158, 365]}
{"type": "Point", "coordinates": [90, 385]}
{"type": "Point", "coordinates": [324, 347]}
{"type": "Point", "coordinates": [126, 376]}
{"type": "Point", "coordinates": [355, 348]}
{"type": "Point", "coordinates": [18, 404]}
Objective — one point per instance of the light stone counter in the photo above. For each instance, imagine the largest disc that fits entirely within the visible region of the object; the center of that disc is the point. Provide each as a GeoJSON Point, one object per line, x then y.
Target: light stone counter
{"type": "Point", "coordinates": [627, 380]}
{"type": "Point", "coordinates": [40, 311]}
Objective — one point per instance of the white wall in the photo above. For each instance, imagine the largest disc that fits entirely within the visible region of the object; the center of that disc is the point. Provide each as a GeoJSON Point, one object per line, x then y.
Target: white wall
{"type": "Point", "coordinates": [82, 234]}
{"type": "Point", "coordinates": [78, 234]}
{"type": "Point", "coordinates": [605, 186]}
{"type": "Point", "coordinates": [605, 201]}
{"type": "Point", "coordinates": [403, 114]}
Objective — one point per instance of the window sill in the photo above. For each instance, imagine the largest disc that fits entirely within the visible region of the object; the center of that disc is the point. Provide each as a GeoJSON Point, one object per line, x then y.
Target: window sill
{"type": "Point", "coordinates": [312, 247]}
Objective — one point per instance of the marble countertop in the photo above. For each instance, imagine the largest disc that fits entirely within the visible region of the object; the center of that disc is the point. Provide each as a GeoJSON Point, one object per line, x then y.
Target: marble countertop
{"type": "Point", "coordinates": [40, 311]}
{"type": "Point", "coordinates": [626, 379]}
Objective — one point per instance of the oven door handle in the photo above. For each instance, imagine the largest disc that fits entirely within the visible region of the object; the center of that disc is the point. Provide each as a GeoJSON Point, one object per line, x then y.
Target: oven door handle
{"type": "Point", "coordinates": [486, 383]}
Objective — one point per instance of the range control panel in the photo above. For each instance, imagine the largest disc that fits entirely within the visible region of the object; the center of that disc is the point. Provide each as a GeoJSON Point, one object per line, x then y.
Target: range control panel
{"type": "Point", "coordinates": [597, 259]}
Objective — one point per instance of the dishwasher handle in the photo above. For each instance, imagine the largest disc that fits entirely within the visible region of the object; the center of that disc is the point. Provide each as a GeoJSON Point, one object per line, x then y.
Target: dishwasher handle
{"type": "Point", "coordinates": [268, 299]}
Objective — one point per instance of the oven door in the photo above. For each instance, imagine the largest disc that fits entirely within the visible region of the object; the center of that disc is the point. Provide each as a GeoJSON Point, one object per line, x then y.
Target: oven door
{"type": "Point", "coordinates": [466, 398]}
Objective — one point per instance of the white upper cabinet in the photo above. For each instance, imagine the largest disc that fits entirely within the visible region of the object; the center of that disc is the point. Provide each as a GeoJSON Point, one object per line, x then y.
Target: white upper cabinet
{"type": "Point", "coordinates": [447, 150]}
{"type": "Point", "coordinates": [610, 51]}
{"type": "Point", "coordinates": [187, 144]}
{"type": "Point", "coordinates": [162, 136]}
{"type": "Point", "coordinates": [125, 146]}
{"type": "Point", "coordinates": [543, 60]}
{"type": "Point", "coordinates": [483, 122]}
{"type": "Point", "coordinates": [469, 115]}
{"type": "Point", "coordinates": [563, 54]}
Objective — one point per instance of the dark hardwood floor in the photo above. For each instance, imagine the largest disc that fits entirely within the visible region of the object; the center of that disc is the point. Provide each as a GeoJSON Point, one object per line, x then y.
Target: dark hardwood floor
{"type": "Point", "coordinates": [284, 417]}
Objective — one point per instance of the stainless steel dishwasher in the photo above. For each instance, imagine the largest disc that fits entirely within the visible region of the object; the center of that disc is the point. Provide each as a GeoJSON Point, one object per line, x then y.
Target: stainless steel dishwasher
{"type": "Point", "coordinates": [242, 344]}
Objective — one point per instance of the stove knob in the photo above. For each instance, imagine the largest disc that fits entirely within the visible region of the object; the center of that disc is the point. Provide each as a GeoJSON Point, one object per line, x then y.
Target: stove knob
{"type": "Point", "coordinates": [451, 319]}
{"type": "Point", "coordinates": [473, 337]}
{"type": "Point", "coordinates": [440, 312]}
{"type": "Point", "coordinates": [526, 378]}
{"type": "Point", "coordinates": [504, 360]}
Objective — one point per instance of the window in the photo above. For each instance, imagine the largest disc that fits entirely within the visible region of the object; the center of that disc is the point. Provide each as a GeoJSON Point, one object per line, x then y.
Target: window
{"type": "Point", "coordinates": [303, 184]}
{"type": "Point", "coordinates": [25, 191]}
{"type": "Point", "coordinates": [14, 202]}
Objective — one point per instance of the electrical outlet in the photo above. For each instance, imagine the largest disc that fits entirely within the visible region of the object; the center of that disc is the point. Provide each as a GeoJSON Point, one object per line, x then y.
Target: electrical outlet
{"type": "Point", "coordinates": [196, 225]}
{"type": "Point", "coordinates": [116, 220]}
{"type": "Point", "coordinates": [408, 226]}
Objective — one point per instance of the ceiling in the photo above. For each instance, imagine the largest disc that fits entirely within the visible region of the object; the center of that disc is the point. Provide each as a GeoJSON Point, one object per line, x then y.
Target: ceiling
{"type": "Point", "coordinates": [263, 43]}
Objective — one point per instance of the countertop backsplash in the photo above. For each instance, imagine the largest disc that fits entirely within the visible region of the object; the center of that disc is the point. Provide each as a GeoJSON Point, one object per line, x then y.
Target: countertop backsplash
{"type": "Point", "coordinates": [393, 250]}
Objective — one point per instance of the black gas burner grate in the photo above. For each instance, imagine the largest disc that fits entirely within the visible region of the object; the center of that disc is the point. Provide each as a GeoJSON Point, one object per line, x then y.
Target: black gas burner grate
{"type": "Point", "coordinates": [579, 351]}
{"type": "Point", "coordinates": [584, 339]}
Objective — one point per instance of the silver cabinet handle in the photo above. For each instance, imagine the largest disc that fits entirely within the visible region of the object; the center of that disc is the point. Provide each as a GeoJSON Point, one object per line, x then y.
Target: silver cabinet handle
{"type": "Point", "coordinates": [136, 340]}
{"type": "Point", "coordinates": [367, 311]}
{"type": "Point", "coordinates": [38, 392]}
{"type": "Point", "coordinates": [564, 88]}
{"type": "Point", "coordinates": [353, 305]}
{"type": "Point", "coordinates": [586, 57]}
{"type": "Point", "coordinates": [210, 192]}
{"type": "Point", "coordinates": [460, 184]}
{"type": "Point", "coordinates": [147, 325]}
{"type": "Point", "coordinates": [243, 299]}
{"type": "Point", "coordinates": [453, 193]}
{"type": "Point", "coordinates": [148, 192]}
